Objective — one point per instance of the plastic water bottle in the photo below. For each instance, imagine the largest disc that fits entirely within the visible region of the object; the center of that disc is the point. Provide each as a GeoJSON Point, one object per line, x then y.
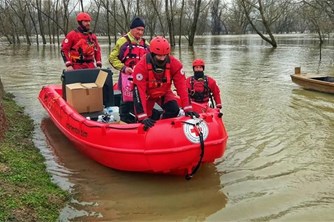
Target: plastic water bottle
{"type": "Point", "coordinates": [111, 115]}
{"type": "Point", "coordinates": [115, 112]}
{"type": "Point", "coordinates": [115, 109]}
{"type": "Point", "coordinates": [116, 117]}
{"type": "Point", "coordinates": [108, 110]}
{"type": "Point", "coordinates": [100, 118]}
{"type": "Point", "coordinates": [111, 109]}
{"type": "Point", "coordinates": [110, 119]}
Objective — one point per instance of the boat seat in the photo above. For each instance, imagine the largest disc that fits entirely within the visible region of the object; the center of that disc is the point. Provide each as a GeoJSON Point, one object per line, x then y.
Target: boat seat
{"type": "Point", "coordinates": [326, 78]}
{"type": "Point", "coordinates": [87, 76]}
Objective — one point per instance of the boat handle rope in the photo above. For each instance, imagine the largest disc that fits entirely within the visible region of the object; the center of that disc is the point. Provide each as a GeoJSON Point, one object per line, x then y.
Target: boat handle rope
{"type": "Point", "coordinates": [200, 135]}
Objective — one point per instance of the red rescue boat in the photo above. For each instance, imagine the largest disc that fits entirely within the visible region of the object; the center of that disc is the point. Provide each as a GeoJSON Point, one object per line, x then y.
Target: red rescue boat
{"type": "Point", "coordinates": [173, 146]}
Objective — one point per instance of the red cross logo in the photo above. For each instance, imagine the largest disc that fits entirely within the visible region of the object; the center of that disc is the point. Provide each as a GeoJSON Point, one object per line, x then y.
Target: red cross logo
{"type": "Point", "coordinates": [196, 130]}
{"type": "Point", "coordinates": [193, 128]}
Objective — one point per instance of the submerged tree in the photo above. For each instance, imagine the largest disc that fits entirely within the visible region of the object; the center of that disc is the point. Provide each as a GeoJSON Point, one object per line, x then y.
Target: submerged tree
{"type": "Point", "coordinates": [22, 19]}
{"type": "Point", "coordinates": [193, 27]}
{"type": "Point", "coordinates": [265, 12]}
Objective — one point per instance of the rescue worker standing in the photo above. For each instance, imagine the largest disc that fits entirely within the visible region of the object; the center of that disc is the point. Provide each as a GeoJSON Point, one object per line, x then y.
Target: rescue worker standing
{"type": "Point", "coordinates": [202, 88]}
{"type": "Point", "coordinates": [80, 47]}
{"type": "Point", "coordinates": [153, 77]}
{"type": "Point", "coordinates": [125, 55]}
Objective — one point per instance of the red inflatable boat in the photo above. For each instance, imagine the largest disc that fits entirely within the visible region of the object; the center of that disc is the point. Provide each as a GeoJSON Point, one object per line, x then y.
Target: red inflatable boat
{"type": "Point", "coordinates": [173, 146]}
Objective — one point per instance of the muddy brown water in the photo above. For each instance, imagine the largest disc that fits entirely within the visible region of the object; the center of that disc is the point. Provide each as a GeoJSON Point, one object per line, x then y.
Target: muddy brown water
{"type": "Point", "coordinates": [278, 165]}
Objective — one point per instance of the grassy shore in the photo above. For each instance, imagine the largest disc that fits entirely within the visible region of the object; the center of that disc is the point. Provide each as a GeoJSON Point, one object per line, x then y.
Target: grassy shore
{"type": "Point", "coordinates": [26, 190]}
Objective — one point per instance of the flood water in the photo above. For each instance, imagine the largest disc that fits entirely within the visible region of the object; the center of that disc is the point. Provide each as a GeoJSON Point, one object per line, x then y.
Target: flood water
{"type": "Point", "coordinates": [278, 165]}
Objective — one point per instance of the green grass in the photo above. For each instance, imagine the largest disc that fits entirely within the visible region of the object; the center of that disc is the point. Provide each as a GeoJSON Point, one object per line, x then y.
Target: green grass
{"type": "Point", "coordinates": [26, 190]}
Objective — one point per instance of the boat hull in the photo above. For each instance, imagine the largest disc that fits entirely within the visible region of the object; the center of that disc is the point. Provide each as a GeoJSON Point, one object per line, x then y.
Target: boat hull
{"type": "Point", "coordinates": [317, 83]}
{"type": "Point", "coordinates": [172, 146]}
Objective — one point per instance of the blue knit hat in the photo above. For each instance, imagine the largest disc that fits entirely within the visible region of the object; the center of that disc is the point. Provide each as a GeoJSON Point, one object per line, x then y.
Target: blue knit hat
{"type": "Point", "coordinates": [137, 22]}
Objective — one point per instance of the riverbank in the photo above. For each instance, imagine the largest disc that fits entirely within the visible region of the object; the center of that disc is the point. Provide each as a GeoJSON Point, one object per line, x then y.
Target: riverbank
{"type": "Point", "coordinates": [26, 190]}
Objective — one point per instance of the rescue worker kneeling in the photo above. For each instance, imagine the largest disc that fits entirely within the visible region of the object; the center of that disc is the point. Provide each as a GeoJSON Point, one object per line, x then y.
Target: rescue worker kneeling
{"type": "Point", "coordinates": [153, 77]}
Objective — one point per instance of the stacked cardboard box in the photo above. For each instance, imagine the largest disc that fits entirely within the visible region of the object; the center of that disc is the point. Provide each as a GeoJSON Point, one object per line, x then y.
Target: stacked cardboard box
{"type": "Point", "coordinates": [87, 97]}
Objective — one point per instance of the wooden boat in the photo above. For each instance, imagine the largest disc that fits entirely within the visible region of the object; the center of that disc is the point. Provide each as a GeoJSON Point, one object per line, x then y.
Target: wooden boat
{"type": "Point", "coordinates": [314, 82]}
{"type": "Point", "coordinates": [173, 146]}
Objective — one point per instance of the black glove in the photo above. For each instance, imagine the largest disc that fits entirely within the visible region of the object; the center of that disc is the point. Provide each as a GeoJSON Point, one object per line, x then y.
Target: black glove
{"type": "Point", "coordinates": [148, 123]}
{"type": "Point", "coordinates": [191, 114]}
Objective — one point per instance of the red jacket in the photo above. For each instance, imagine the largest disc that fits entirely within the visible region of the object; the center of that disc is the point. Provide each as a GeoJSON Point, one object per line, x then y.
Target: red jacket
{"type": "Point", "coordinates": [199, 90]}
{"type": "Point", "coordinates": [161, 87]}
{"type": "Point", "coordinates": [80, 47]}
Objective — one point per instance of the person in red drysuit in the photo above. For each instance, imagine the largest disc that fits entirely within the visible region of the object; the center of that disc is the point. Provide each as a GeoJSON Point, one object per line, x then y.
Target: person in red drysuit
{"type": "Point", "coordinates": [80, 48]}
{"type": "Point", "coordinates": [153, 77]}
{"type": "Point", "coordinates": [202, 88]}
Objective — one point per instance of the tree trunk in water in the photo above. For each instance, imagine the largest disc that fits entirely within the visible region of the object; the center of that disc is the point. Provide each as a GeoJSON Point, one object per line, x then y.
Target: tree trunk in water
{"type": "Point", "coordinates": [181, 18]}
{"type": "Point", "coordinates": [115, 23]}
{"type": "Point", "coordinates": [272, 40]}
{"type": "Point", "coordinates": [27, 36]}
{"type": "Point", "coordinates": [5, 34]}
{"type": "Point", "coordinates": [97, 16]}
{"type": "Point", "coordinates": [125, 14]}
{"type": "Point", "coordinates": [108, 24]}
{"type": "Point", "coordinates": [193, 28]}
{"type": "Point", "coordinates": [81, 4]}
{"type": "Point", "coordinates": [57, 20]}
{"type": "Point", "coordinates": [34, 24]}
{"type": "Point", "coordinates": [159, 17]}
{"type": "Point", "coordinates": [66, 16]}
{"type": "Point", "coordinates": [170, 22]}
{"type": "Point", "coordinates": [266, 25]}
{"type": "Point", "coordinates": [40, 20]}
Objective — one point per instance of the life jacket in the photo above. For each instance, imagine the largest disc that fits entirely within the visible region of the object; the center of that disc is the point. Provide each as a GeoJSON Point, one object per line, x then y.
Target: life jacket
{"type": "Point", "coordinates": [133, 52]}
{"type": "Point", "coordinates": [158, 83]}
{"type": "Point", "coordinates": [83, 50]}
{"type": "Point", "coordinates": [200, 91]}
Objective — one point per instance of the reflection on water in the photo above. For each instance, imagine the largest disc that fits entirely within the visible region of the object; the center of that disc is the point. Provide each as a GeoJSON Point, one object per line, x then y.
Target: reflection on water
{"type": "Point", "coordinates": [279, 160]}
{"type": "Point", "coordinates": [134, 196]}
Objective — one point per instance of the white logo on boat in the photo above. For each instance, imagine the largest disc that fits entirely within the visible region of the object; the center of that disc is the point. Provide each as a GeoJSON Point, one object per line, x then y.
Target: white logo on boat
{"type": "Point", "coordinates": [191, 132]}
{"type": "Point", "coordinates": [139, 76]}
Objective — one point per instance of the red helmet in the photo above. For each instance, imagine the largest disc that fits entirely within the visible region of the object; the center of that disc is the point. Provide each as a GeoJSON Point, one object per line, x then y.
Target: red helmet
{"type": "Point", "coordinates": [159, 46]}
{"type": "Point", "coordinates": [83, 16]}
{"type": "Point", "coordinates": [198, 62]}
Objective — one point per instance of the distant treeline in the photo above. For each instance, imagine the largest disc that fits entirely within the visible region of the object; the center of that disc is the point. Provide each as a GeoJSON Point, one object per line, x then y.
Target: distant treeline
{"type": "Point", "coordinates": [174, 19]}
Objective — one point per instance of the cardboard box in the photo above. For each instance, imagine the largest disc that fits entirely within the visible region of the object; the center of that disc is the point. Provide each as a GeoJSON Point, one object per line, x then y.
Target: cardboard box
{"type": "Point", "coordinates": [87, 97]}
